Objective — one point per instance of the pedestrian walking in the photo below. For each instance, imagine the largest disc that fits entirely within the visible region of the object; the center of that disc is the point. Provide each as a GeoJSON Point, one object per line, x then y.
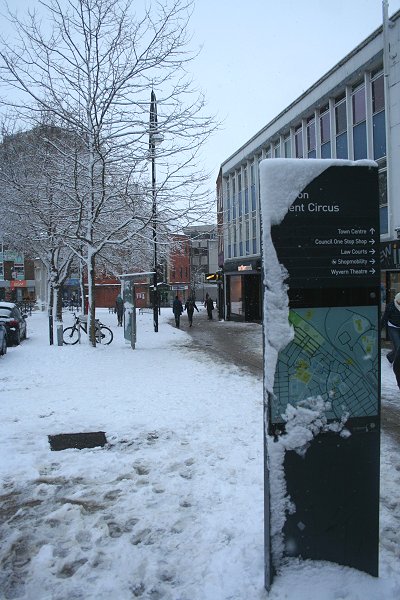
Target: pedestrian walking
{"type": "Point", "coordinates": [209, 304]}
{"type": "Point", "coordinates": [391, 319]}
{"type": "Point", "coordinates": [177, 309]}
{"type": "Point", "coordinates": [189, 307]}
{"type": "Point", "coordinates": [119, 309]}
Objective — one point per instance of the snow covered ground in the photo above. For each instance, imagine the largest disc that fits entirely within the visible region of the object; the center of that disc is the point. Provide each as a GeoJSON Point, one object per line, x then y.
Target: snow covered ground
{"type": "Point", "coordinates": [172, 507]}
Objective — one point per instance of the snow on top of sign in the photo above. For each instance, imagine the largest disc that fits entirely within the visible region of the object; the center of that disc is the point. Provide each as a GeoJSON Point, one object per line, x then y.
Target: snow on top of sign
{"type": "Point", "coordinates": [283, 179]}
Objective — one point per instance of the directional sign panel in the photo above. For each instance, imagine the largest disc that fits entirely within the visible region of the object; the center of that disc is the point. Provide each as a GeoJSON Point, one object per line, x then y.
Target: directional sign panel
{"type": "Point", "coordinates": [329, 237]}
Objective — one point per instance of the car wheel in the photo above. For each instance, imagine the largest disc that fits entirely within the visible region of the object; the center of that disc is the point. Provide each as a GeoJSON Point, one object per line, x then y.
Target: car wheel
{"type": "Point", "coordinates": [4, 349]}
{"type": "Point", "coordinates": [17, 339]}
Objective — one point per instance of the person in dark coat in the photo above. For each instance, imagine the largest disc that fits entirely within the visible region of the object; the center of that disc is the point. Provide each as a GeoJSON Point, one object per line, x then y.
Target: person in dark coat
{"type": "Point", "coordinates": [209, 304]}
{"type": "Point", "coordinates": [177, 309]}
{"type": "Point", "coordinates": [391, 319]}
{"type": "Point", "coordinates": [119, 309]}
{"type": "Point", "coordinates": [189, 307]}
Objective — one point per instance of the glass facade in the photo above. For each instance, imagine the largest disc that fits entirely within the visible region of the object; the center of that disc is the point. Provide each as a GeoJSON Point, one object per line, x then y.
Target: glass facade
{"type": "Point", "coordinates": [311, 141]}
{"type": "Point", "coordinates": [298, 142]}
{"type": "Point", "coordinates": [383, 201]}
{"type": "Point", "coordinates": [325, 131]}
{"type": "Point", "coordinates": [240, 199]}
{"type": "Point", "coordinates": [350, 125]}
{"type": "Point", "coordinates": [325, 125]}
{"type": "Point", "coordinates": [360, 141]}
{"type": "Point", "coordinates": [378, 116]}
{"type": "Point", "coordinates": [341, 128]}
{"type": "Point", "coordinates": [359, 123]}
{"type": "Point", "coordinates": [341, 146]}
{"type": "Point", "coordinates": [288, 147]}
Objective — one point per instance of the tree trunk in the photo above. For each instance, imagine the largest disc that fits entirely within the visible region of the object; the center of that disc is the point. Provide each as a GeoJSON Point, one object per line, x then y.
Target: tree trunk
{"type": "Point", "coordinates": [57, 311]}
{"type": "Point", "coordinates": [82, 287]}
{"type": "Point", "coordinates": [92, 303]}
{"type": "Point", "coordinates": [50, 313]}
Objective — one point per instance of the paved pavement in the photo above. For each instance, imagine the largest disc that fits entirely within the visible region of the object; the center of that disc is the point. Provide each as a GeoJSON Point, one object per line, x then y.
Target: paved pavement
{"type": "Point", "coordinates": [229, 342]}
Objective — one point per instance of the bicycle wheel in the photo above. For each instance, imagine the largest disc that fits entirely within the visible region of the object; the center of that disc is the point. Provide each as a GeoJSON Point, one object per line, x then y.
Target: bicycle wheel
{"type": "Point", "coordinates": [70, 335]}
{"type": "Point", "coordinates": [105, 336]}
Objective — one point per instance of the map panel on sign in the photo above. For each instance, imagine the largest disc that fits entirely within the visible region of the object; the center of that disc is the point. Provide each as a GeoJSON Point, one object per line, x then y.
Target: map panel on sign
{"type": "Point", "coordinates": [334, 355]}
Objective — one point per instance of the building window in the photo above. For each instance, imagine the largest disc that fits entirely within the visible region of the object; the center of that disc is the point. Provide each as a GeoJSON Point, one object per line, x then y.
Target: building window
{"type": "Point", "coordinates": [325, 131]}
{"type": "Point", "coordinates": [358, 104]}
{"type": "Point", "coordinates": [340, 115]}
{"type": "Point", "coordinates": [277, 150]}
{"type": "Point", "coordinates": [383, 207]}
{"type": "Point", "coordinates": [341, 127]}
{"type": "Point", "coordinates": [253, 187]}
{"type": "Point", "coordinates": [240, 194]}
{"type": "Point", "coordinates": [246, 192]}
{"type": "Point", "coordinates": [298, 142]}
{"type": "Point", "coordinates": [233, 199]}
{"type": "Point", "coordinates": [254, 234]}
{"type": "Point", "coordinates": [378, 93]}
{"type": "Point", "coordinates": [359, 123]}
{"type": "Point", "coordinates": [268, 152]}
{"type": "Point", "coordinates": [246, 201]}
{"type": "Point", "coordinates": [228, 203]}
{"type": "Point", "coordinates": [311, 151]}
{"type": "Point", "coordinates": [378, 117]}
{"type": "Point", "coordinates": [288, 147]}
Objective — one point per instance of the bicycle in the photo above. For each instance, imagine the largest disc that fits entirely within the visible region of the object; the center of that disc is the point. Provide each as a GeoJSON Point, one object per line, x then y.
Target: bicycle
{"type": "Point", "coordinates": [72, 335]}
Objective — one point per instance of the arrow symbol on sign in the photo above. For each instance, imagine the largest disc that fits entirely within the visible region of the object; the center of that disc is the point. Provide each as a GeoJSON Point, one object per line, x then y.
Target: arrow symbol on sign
{"type": "Point", "coordinates": [372, 251]}
{"type": "Point", "coordinates": [334, 262]}
{"type": "Point", "coordinates": [372, 241]}
{"type": "Point", "coordinates": [372, 271]}
{"type": "Point", "coordinates": [372, 261]}
{"type": "Point", "coordinates": [372, 231]}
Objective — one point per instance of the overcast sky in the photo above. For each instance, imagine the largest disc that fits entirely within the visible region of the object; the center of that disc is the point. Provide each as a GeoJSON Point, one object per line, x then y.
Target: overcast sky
{"type": "Point", "coordinates": [260, 55]}
{"type": "Point", "coordinates": [257, 56]}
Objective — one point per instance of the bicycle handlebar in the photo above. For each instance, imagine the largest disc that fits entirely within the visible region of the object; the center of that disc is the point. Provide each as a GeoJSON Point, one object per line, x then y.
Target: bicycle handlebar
{"type": "Point", "coordinates": [78, 320]}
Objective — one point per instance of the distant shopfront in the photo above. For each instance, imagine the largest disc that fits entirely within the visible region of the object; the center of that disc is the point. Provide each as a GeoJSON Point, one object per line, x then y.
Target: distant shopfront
{"type": "Point", "coordinates": [243, 290]}
{"type": "Point", "coordinates": [390, 270]}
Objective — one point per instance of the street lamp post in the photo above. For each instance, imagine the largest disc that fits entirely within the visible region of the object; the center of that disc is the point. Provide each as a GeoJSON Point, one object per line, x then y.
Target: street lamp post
{"type": "Point", "coordinates": [155, 139]}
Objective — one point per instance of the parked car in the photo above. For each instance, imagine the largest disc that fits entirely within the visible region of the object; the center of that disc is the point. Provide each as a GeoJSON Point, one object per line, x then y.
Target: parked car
{"type": "Point", "coordinates": [3, 339]}
{"type": "Point", "coordinates": [14, 322]}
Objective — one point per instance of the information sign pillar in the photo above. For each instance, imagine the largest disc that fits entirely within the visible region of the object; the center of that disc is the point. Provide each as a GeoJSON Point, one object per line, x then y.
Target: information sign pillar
{"type": "Point", "coordinates": [321, 218]}
{"type": "Point", "coordinates": [128, 294]}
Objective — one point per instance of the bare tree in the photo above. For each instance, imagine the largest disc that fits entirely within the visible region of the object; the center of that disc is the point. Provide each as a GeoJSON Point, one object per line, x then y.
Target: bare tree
{"type": "Point", "coordinates": [93, 72]}
{"type": "Point", "coordinates": [35, 209]}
